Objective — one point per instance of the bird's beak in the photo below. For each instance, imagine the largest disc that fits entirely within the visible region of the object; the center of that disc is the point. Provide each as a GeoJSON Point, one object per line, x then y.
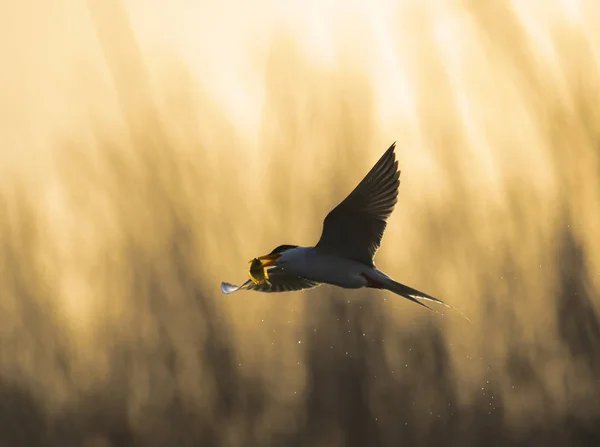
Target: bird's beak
{"type": "Point", "coordinates": [267, 260]}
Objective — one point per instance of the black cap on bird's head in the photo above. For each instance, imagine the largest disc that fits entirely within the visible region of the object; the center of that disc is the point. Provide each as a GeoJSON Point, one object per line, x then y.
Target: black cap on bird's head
{"type": "Point", "coordinates": [269, 260]}
{"type": "Point", "coordinates": [282, 248]}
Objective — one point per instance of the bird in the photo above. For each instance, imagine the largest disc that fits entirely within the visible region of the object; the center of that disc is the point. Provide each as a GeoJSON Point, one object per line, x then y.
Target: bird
{"type": "Point", "coordinates": [344, 255]}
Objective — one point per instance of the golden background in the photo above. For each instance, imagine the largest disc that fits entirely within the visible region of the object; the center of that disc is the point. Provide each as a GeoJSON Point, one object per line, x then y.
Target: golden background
{"type": "Point", "coordinates": [150, 149]}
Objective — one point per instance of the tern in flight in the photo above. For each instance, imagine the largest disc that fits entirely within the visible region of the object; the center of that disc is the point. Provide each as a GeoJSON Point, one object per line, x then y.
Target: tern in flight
{"type": "Point", "coordinates": [343, 257]}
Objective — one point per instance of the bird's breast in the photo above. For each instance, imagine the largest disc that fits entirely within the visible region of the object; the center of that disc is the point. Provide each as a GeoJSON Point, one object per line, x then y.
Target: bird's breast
{"type": "Point", "coordinates": [326, 268]}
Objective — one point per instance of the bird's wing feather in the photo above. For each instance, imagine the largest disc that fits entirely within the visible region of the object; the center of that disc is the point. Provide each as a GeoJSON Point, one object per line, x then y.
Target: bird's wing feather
{"type": "Point", "coordinates": [355, 227]}
{"type": "Point", "coordinates": [279, 281]}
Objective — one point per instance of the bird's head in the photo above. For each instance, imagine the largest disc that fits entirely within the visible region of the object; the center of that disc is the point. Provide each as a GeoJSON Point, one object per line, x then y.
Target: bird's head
{"type": "Point", "coordinates": [258, 266]}
{"type": "Point", "coordinates": [258, 272]}
{"type": "Point", "coordinates": [270, 260]}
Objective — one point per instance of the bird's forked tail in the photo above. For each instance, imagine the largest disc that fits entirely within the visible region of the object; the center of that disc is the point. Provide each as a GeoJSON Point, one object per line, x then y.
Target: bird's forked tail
{"type": "Point", "coordinates": [383, 281]}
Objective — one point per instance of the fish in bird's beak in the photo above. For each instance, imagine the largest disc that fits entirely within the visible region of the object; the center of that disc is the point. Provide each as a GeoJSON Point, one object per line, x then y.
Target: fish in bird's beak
{"type": "Point", "coordinates": [258, 268]}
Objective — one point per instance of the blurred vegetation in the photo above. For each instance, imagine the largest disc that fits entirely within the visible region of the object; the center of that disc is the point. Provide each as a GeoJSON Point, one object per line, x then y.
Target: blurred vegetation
{"type": "Point", "coordinates": [113, 331]}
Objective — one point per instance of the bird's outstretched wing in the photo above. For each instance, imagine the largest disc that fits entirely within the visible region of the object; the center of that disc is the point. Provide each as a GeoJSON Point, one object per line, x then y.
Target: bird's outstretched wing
{"type": "Point", "coordinates": [354, 228]}
{"type": "Point", "coordinates": [279, 281]}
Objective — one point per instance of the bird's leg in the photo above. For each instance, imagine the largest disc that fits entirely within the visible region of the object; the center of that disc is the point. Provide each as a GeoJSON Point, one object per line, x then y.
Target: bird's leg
{"type": "Point", "coordinates": [372, 283]}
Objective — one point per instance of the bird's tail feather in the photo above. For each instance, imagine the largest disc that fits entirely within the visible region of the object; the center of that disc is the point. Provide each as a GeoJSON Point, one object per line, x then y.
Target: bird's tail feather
{"type": "Point", "coordinates": [411, 294]}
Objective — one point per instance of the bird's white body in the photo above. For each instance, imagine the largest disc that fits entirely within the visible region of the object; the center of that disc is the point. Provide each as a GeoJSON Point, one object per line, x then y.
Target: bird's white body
{"type": "Point", "coordinates": [326, 268]}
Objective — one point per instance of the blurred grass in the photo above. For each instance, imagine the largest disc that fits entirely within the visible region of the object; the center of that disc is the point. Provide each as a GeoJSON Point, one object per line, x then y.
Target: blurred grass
{"type": "Point", "coordinates": [113, 330]}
